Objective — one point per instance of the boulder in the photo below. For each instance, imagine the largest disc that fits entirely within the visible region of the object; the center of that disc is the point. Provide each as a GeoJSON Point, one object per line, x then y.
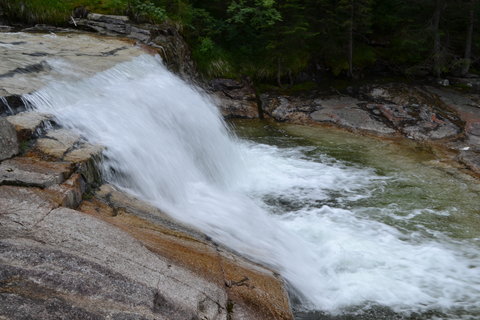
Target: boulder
{"type": "Point", "coordinates": [57, 143]}
{"type": "Point", "coordinates": [234, 98]}
{"type": "Point", "coordinates": [354, 118]}
{"type": "Point", "coordinates": [86, 159]}
{"type": "Point", "coordinates": [8, 140]}
{"type": "Point", "coordinates": [287, 108]}
{"type": "Point", "coordinates": [30, 124]}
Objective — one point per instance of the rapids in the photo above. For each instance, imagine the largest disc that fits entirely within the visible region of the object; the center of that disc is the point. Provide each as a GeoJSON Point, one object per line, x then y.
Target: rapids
{"type": "Point", "coordinates": [283, 201]}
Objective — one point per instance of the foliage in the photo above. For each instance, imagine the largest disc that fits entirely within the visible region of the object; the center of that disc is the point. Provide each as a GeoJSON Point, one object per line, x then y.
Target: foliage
{"type": "Point", "coordinates": [280, 40]}
{"type": "Point", "coordinates": [147, 11]}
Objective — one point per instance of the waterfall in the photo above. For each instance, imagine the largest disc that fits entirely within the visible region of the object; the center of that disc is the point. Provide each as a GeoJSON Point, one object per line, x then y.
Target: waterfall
{"type": "Point", "coordinates": [167, 144]}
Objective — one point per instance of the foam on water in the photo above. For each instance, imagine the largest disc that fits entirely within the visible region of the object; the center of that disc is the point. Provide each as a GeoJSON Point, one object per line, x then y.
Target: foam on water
{"type": "Point", "coordinates": [167, 144]}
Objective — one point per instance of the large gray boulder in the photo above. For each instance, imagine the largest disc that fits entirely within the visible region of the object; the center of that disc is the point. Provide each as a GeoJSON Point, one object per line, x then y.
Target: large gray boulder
{"type": "Point", "coordinates": [235, 99]}
{"type": "Point", "coordinates": [8, 140]}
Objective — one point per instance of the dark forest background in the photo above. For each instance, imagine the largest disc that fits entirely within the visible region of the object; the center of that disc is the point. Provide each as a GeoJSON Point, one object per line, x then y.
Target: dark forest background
{"type": "Point", "coordinates": [289, 41]}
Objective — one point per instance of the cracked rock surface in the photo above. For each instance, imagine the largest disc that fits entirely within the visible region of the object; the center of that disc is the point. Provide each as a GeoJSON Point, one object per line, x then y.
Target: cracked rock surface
{"type": "Point", "coordinates": [70, 248]}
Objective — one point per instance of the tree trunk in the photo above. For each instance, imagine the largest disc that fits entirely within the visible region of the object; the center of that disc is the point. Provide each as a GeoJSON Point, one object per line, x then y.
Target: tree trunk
{"type": "Point", "coordinates": [437, 68]}
{"type": "Point", "coordinates": [350, 40]}
{"type": "Point", "coordinates": [468, 41]}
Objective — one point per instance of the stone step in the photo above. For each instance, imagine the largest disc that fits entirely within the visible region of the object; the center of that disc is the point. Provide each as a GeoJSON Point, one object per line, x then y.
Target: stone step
{"type": "Point", "coordinates": [31, 172]}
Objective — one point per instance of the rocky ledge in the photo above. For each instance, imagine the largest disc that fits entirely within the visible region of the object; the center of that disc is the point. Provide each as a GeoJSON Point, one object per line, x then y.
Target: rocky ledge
{"type": "Point", "coordinates": [164, 38]}
{"type": "Point", "coordinates": [431, 115]}
{"type": "Point", "coordinates": [72, 247]}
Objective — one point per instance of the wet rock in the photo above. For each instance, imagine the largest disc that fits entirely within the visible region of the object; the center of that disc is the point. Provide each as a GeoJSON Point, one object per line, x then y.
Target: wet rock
{"type": "Point", "coordinates": [253, 291]}
{"type": "Point", "coordinates": [86, 159]}
{"type": "Point", "coordinates": [30, 124]}
{"type": "Point", "coordinates": [32, 172]}
{"type": "Point", "coordinates": [68, 194]}
{"type": "Point", "coordinates": [287, 108]}
{"type": "Point", "coordinates": [105, 24]}
{"type": "Point", "coordinates": [165, 38]}
{"type": "Point", "coordinates": [236, 99]}
{"type": "Point", "coordinates": [416, 112]}
{"type": "Point", "coordinates": [32, 68]}
{"type": "Point", "coordinates": [8, 140]}
{"type": "Point", "coordinates": [82, 54]}
{"type": "Point", "coordinates": [471, 159]}
{"type": "Point", "coordinates": [65, 145]}
{"type": "Point", "coordinates": [346, 112]}
{"type": "Point", "coordinates": [120, 258]}
{"type": "Point", "coordinates": [57, 143]}
{"type": "Point", "coordinates": [12, 104]}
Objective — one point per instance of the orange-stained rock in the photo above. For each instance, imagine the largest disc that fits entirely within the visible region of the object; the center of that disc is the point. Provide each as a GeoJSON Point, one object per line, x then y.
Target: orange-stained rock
{"type": "Point", "coordinates": [253, 291]}
{"type": "Point", "coordinates": [27, 171]}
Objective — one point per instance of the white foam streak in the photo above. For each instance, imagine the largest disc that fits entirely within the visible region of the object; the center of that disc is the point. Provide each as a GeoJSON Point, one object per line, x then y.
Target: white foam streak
{"type": "Point", "coordinates": [168, 144]}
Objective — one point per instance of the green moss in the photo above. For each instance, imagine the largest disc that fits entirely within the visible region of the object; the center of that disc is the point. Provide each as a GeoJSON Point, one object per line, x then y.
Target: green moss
{"type": "Point", "coordinates": [229, 307]}
{"type": "Point", "coordinates": [56, 12]}
{"type": "Point", "coordinates": [25, 146]}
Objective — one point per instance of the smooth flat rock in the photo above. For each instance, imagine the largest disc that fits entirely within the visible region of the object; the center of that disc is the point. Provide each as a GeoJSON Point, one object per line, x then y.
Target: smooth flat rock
{"type": "Point", "coordinates": [253, 292]}
{"type": "Point", "coordinates": [21, 208]}
{"type": "Point", "coordinates": [30, 124]}
{"type": "Point", "coordinates": [32, 172]}
{"type": "Point", "coordinates": [8, 140]}
{"type": "Point", "coordinates": [171, 291]}
{"type": "Point", "coordinates": [344, 111]}
{"type": "Point", "coordinates": [26, 65]}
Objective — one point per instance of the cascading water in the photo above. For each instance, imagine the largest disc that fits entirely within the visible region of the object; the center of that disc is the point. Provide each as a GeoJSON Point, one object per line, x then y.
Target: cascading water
{"type": "Point", "coordinates": [166, 143]}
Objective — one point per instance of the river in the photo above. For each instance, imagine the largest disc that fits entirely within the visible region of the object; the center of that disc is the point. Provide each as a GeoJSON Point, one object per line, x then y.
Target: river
{"type": "Point", "coordinates": [360, 228]}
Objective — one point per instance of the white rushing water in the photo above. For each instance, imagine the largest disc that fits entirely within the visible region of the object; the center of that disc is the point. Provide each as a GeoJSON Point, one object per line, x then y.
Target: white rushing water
{"type": "Point", "coordinates": [167, 144]}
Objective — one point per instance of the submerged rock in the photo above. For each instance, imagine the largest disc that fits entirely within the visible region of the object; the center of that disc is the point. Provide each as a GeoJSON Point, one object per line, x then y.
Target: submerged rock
{"type": "Point", "coordinates": [471, 159]}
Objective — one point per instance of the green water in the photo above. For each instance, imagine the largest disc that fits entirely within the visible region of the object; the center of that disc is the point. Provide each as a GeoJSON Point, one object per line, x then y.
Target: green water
{"type": "Point", "coordinates": [420, 180]}
{"type": "Point", "coordinates": [422, 196]}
